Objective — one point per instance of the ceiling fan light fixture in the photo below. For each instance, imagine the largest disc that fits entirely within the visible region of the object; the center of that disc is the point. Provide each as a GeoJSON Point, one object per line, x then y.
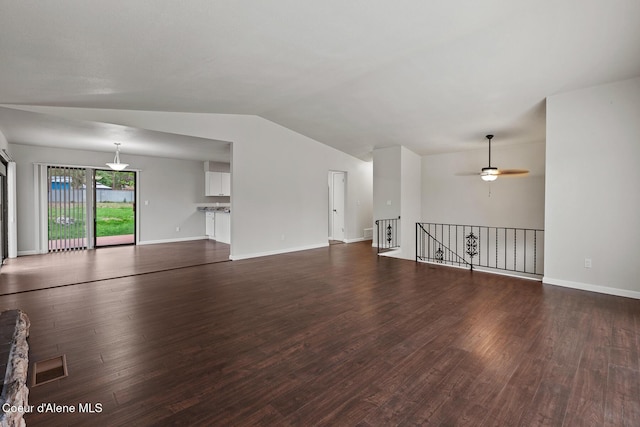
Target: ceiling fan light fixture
{"type": "Point", "coordinates": [116, 165]}
{"type": "Point", "coordinates": [489, 174]}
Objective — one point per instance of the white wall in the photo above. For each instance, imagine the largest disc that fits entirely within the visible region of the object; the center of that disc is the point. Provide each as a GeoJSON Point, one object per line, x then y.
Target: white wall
{"type": "Point", "coordinates": [3, 142]}
{"type": "Point", "coordinates": [172, 187]}
{"type": "Point", "coordinates": [396, 178]}
{"type": "Point", "coordinates": [451, 197]}
{"type": "Point", "coordinates": [217, 166]}
{"type": "Point", "coordinates": [592, 192]}
{"type": "Point", "coordinates": [387, 180]}
{"type": "Point", "coordinates": [386, 185]}
{"type": "Point", "coordinates": [410, 202]}
{"type": "Point", "coordinates": [279, 177]}
{"type": "Point", "coordinates": [360, 201]}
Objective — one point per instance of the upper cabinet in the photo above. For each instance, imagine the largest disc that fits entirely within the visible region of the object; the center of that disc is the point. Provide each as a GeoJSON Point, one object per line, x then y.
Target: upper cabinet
{"type": "Point", "coordinates": [217, 184]}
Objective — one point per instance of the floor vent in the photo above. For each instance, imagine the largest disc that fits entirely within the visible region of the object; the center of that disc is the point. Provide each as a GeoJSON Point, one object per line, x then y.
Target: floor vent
{"type": "Point", "coordinates": [49, 370]}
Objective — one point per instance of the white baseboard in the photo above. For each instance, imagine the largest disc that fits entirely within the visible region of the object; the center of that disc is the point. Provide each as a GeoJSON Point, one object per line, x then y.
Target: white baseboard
{"type": "Point", "coordinates": [516, 275]}
{"type": "Point", "coordinates": [374, 244]}
{"type": "Point", "coordinates": [357, 239]}
{"type": "Point", "coordinates": [277, 252]}
{"type": "Point", "coordinates": [182, 239]}
{"type": "Point", "coordinates": [443, 264]}
{"type": "Point", "coordinates": [394, 253]}
{"type": "Point", "coordinates": [591, 288]}
{"type": "Point", "coordinates": [25, 253]}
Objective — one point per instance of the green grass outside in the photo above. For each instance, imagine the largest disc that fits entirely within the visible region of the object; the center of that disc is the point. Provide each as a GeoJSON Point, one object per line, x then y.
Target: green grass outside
{"type": "Point", "coordinates": [113, 219]}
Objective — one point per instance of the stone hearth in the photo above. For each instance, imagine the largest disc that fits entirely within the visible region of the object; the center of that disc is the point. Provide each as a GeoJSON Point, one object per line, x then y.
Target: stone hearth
{"type": "Point", "coordinates": [14, 363]}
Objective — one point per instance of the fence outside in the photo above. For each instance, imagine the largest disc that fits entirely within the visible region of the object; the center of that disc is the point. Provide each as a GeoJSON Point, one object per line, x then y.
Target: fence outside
{"type": "Point", "coordinates": [103, 195]}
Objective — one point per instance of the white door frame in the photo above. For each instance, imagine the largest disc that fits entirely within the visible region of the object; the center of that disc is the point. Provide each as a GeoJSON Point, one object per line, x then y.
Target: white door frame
{"type": "Point", "coordinates": [337, 207]}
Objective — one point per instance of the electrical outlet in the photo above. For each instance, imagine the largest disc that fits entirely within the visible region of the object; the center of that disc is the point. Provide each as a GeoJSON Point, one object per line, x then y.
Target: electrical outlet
{"type": "Point", "coordinates": [587, 263]}
{"type": "Point", "coordinates": [177, 228]}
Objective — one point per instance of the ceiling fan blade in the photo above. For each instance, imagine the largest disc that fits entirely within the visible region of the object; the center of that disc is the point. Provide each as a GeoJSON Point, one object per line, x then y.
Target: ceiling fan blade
{"type": "Point", "coordinates": [468, 174]}
{"type": "Point", "coordinates": [513, 172]}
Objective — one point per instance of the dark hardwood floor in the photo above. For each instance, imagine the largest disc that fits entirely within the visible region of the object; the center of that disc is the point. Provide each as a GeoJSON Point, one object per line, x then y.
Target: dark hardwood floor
{"type": "Point", "coordinates": [66, 268]}
{"type": "Point", "coordinates": [332, 336]}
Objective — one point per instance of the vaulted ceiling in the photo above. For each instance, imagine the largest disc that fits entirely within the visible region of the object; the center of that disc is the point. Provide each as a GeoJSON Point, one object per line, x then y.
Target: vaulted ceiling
{"type": "Point", "coordinates": [434, 76]}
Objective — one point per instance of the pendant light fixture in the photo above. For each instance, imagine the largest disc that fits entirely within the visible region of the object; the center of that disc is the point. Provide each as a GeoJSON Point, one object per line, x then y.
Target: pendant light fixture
{"type": "Point", "coordinates": [116, 165]}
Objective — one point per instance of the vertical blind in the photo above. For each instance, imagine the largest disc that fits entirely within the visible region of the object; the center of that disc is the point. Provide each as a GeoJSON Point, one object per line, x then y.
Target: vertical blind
{"type": "Point", "coordinates": [67, 208]}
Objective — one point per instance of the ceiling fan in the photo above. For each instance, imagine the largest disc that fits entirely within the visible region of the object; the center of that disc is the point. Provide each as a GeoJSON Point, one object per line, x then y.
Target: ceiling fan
{"type": "Point", "coordinates": [491, 173]}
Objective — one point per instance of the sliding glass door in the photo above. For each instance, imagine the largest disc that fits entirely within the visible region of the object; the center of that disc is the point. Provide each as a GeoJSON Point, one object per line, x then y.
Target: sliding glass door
{"type": "Point", "coordinates": [103, 216]}
{"type": "Point", "coordinates": [67, 208]}
{"type": "Point", "coordinates": [115, 208]}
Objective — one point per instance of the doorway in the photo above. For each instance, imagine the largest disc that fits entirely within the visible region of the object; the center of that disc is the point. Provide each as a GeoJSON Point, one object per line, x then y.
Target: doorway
{"type": "Point", "coordinates": [4, 213]}
{"type": "Point", "coordinates": [337, 183]}
{"type": "Point", "coordinates": [114, 208]}
{"type": "Point", "coordinates": [84, 207]}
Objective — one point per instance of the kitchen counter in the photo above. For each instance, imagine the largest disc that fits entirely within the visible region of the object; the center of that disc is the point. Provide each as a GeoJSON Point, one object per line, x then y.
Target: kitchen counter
{"type": "Point", "coordinates": [219, 209]}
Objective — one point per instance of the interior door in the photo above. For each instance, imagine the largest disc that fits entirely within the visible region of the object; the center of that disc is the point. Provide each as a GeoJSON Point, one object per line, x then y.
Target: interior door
{"type": "Point", "coordinates": [338, 205]}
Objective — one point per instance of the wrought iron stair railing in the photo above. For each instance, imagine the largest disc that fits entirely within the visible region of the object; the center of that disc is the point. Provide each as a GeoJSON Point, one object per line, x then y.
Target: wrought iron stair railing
{"type": "Point", "coordinates": [387, 233]}
{"type": "Point", "coordinates": [518, 250]}
{"type": "Point", "coordinates": [434, 250]}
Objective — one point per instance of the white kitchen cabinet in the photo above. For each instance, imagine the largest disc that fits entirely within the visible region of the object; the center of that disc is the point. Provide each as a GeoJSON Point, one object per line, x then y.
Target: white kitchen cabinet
{"type": "Point", "coordinates": [209, 225]}
{"type": "Point", "coordinates": [217, 184]}
{"type": "Point", "coordinates": [223, 227]}
{"type": "Point", "coordinates": [225, 183]}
